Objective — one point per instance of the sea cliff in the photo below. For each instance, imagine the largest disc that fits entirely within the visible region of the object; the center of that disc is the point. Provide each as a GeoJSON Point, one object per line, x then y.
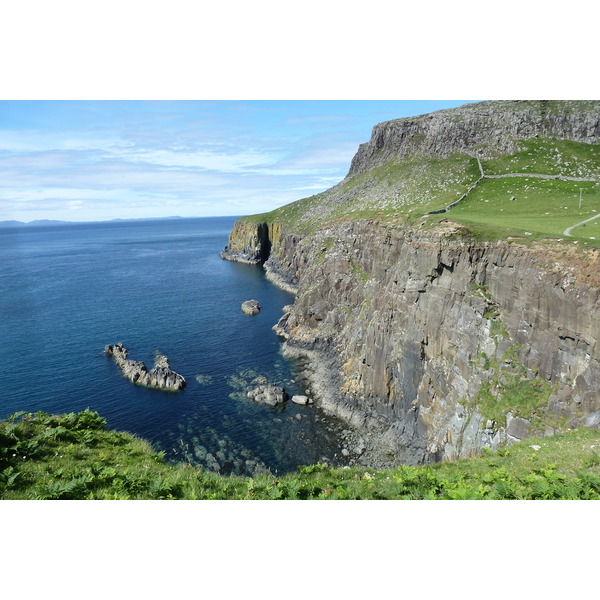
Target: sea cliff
{"type": "Point", "coordinates": [433, 343]}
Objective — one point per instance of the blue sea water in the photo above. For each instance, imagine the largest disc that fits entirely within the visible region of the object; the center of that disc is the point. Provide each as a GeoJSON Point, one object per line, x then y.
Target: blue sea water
{"type": "Point", "coordinates": [157, 286]}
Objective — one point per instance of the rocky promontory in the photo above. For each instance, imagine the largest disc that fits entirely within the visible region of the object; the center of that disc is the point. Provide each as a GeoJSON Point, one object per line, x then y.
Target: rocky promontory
{"type": "Point", "coordinates": [160, 377]}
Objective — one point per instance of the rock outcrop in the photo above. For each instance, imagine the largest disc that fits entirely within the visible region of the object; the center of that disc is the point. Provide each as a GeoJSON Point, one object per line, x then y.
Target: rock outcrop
{"type": "Point", "coordinates": [484, 127]}
{"type": "Point", "coordinates": [248, 243]}
{"type": "Point", "coordinates": [268, 394]}
{"type": "Point", "coordinates": [300, 399]}
{"type": "Point", "coordinates": [161, 376]}
{"type": "Point", "coordinates": [251, 307]}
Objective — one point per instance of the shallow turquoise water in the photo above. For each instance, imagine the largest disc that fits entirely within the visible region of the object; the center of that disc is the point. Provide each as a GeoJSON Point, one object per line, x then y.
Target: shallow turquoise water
{"type": "Point", "coordinates": [68, 290]}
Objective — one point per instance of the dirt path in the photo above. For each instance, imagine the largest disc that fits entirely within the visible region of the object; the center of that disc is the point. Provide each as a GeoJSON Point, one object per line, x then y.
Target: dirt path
{"type": "Point", "coordinates": [567, 231]}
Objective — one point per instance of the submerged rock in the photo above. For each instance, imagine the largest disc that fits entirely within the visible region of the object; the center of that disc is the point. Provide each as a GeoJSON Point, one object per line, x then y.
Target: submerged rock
{"type": "Point", "coordinates": [250, 307]}
{"type": "Point", "coordinates": [268, 394]}
{"type": "Point", "coordinates": [161, 376]}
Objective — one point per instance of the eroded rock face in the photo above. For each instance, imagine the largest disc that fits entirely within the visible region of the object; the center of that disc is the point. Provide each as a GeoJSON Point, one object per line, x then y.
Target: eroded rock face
{"type": "Point", "coordinates": [248, 243]}
{"type": "Point", "coordinates": [407, 334]}
{"type": "Point", "coordinates": [161, 376]}
{"type": "Point", "coordinates": [410, 334]}
{"type": "Point", "coordinates": [489, 127]}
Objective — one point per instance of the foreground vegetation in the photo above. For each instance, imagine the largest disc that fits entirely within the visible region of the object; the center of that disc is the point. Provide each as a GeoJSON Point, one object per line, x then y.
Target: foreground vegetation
{"type": "Point", "coordinates": [75, 456]}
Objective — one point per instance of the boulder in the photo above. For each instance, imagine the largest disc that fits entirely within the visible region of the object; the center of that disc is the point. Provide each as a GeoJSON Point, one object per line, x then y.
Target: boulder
{"type": "Point", "coordinates": [517, 427]}
{"type": "Point", "coordinates": [301, 400]}
{"type": "Point", "coordinates": [250, 307]}
{"type": "Point", "coordinates": [268, 394]}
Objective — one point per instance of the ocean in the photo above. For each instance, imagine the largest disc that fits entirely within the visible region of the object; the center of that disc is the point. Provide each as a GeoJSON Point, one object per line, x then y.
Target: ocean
{"type": "Point", "coordinates": [157, 286]}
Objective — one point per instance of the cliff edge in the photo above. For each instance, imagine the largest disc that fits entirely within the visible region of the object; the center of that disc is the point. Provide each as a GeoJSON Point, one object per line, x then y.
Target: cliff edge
{"type": "Point", "coordinates": [435, 335]}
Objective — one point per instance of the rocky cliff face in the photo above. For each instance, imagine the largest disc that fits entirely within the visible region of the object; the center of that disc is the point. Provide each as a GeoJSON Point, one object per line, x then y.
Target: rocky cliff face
{"type": "Point", "coordinates": [430, 345]}
{"type": "Point", "coordinates": [435, 348]}
{"type": "Point", "coordinates": [488, 128]}
{"type": "Point", "coordinates": [248, 243]}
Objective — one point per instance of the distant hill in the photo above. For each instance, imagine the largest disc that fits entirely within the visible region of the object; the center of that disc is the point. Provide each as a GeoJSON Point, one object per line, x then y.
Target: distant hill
{"type": "Point", "coordinates": [37, 223]}
{"type": "Point", "coordinates": [48, 222]}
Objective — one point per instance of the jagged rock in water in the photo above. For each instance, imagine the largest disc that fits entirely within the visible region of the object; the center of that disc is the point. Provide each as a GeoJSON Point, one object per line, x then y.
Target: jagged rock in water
{"type": "Point", "coordinates": [301, 400]}
{"type": "Point", "coordinates": [251, 307]}
{"type": "Point", "coordinates": [161, 376]}
{"type": "Point", "coordinates": [268, 394]}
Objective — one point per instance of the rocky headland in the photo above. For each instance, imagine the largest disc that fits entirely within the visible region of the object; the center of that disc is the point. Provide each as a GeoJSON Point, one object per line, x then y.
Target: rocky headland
{"type": "Point", "coordinates": [429, 340]}
{"type": "Point", "coordinates": [161, 376]}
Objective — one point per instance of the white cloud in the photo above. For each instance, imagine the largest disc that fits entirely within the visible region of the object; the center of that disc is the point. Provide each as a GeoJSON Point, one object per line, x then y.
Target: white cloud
{"type": "Point", "coordinates": [235, 161]}
{"type": "Point", "coordinates": [193, 159]}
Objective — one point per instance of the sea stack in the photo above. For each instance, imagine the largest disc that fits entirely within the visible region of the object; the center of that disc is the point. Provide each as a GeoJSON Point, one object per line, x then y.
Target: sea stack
{"type": "Point", "coordinates": [250, 307]}
{"type": "Point", "coordinates": [160, 377]}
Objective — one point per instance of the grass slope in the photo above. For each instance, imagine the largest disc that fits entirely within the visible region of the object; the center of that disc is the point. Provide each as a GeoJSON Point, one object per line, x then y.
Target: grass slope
{"type": "Point", "coordinates": [75, 456]}
{"type": "Point", "coordinates": [530, 208]}
{"type": "Point", "coordinates": [548, 156]}
{"type": "Point", "coordinates": [405, 191]}
{"type": "Point", "coordinates": [400, 190]}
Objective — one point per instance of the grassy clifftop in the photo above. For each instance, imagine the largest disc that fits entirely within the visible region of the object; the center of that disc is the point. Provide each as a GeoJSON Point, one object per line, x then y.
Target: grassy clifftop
{"type": "Point", "coordinates": [530, 191]}
{"type": "Point", "coordinates": [75, 456]}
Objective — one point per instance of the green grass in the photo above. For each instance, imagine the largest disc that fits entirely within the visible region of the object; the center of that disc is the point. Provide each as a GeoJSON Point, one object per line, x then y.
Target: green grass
{"type": "Point", "coordinates": [400, 190]}
{"type": "Point", "coordinates": [75, 456]}
{"type": "Point", "coordinates": [541, 209]}
{"type": "Point", "coordinates": [549, 157]}
{"type": "Point", "coordinates": [404, 191]}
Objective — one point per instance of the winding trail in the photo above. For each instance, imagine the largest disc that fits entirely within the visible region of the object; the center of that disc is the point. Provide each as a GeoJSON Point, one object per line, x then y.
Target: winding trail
{"type": "Point", "coordinates": [567, 231]}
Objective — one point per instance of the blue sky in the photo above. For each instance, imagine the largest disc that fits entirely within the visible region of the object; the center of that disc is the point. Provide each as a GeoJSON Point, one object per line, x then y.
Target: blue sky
{"type": "Point", "coordinates": [96, 160]}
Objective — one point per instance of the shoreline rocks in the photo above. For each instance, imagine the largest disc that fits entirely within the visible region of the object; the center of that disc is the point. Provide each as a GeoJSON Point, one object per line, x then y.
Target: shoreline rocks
{"type": "Point", "coordinates": [161, 376]}
{"type": "Point", "coordinates": [302, 400]}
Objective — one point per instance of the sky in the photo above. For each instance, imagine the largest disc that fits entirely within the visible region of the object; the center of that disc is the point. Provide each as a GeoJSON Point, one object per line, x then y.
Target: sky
{"type": "Point", "coordinates": [84, 160]}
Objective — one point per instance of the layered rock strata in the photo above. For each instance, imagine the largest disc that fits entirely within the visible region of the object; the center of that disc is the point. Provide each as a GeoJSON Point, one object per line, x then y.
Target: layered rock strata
{"type": "Point", "coordinates": [161, 376]}
{"type": "Point", "coordinates": [433, 348]}
{"type": "Point", "coordinates": [485, 127]}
